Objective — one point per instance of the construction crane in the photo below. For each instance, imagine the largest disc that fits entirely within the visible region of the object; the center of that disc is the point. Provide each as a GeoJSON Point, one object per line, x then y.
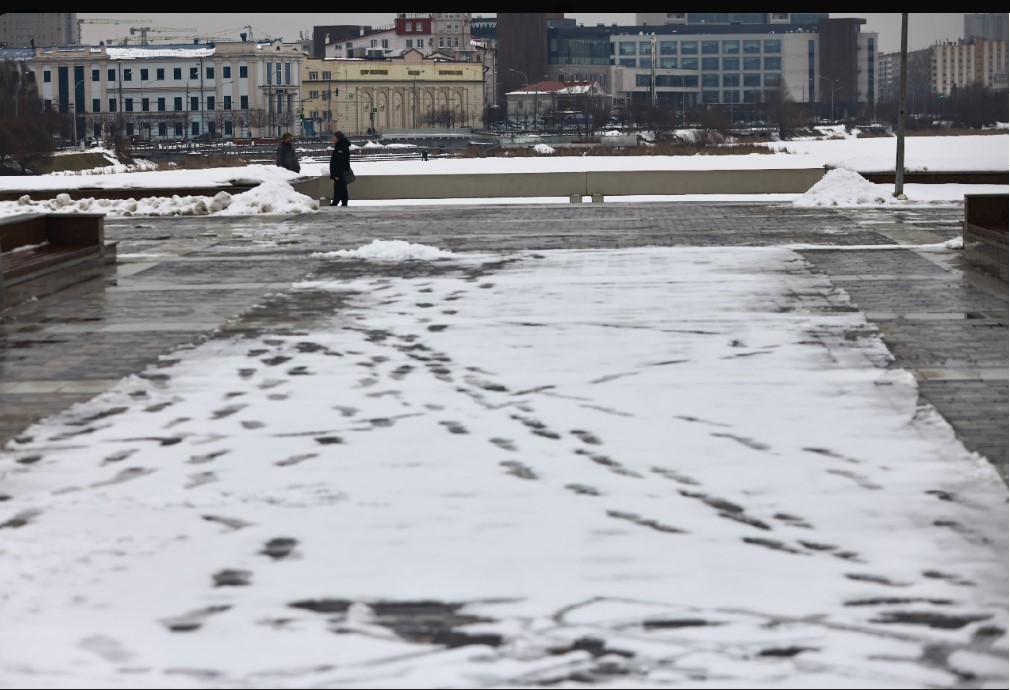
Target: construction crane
{"type": "Point", "coordinates": [81, 22]}
{"type": "Point", "coordinates": [142, 30]}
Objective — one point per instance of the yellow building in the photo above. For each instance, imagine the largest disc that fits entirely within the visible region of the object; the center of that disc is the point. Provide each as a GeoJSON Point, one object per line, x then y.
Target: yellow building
{"type": "Point", "coordinates": [399, 93]}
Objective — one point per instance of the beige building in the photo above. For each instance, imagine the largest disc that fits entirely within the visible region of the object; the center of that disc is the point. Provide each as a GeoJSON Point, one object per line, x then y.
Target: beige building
{"type": "Point", "coordinates": [173, 92]}
{"type": "Point", "coordinates": [405, 92]}
{"type": "Point", "coordinates": [979, 61]}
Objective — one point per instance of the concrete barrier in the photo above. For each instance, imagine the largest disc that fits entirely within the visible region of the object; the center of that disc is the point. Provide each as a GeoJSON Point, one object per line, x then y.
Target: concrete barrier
{"type": "Point", "coordinates": [41, 253]}
{"type": "Point", "coordinates": [596, 184]}
{"type": "Point", "coordinates": [985, 232]}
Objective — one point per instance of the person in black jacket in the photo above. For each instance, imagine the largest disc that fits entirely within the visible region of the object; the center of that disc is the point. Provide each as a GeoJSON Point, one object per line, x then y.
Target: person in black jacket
{"type": "Point", "coordinates": [287, 157]}
{"type": "Point", "coordinates": [340, 161]}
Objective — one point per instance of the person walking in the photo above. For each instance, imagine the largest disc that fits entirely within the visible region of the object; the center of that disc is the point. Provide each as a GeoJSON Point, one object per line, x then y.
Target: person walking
{"type": "Point", "coordinates": [340, 162]}
{"type": "Point", "coordinates": [287, 157]}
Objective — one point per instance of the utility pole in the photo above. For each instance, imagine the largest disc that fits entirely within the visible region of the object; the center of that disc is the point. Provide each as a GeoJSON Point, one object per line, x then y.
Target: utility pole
{"type": "Point", "coordinates": [899, 164]}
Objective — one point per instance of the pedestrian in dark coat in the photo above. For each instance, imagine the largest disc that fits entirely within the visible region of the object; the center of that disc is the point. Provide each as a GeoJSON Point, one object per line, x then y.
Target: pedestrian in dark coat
{"type": "Point", "coordinates": [287, 157]}
{"type": "Point", "coordinates": [340, 162]}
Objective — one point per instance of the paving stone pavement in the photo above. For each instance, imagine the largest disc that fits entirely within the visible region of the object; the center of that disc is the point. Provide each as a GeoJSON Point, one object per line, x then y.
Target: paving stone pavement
{"type": "Point", "coordinates": [180, 280]}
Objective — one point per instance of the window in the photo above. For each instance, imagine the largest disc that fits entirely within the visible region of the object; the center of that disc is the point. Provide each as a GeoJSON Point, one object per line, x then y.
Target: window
{"type": "Point", "coordinates": [145, 104]}
{"type": "Point", "coordinates": [645, 63]}
{"type": "Point", "coordinates": [194, 102]}
{"type": "Point", "coordinates": [689, 63]}
{"type": "Point", "coordinates": [731, 64]}
{"type": "Point", "coordinates": [626, 62]}
{"type": "Point", "coordinates": [112, 75]}
{"type": "Point", "coordinates": [643, 80]}
{"type": "Point", "coordinates": [710, 47]}
{"type": "Point", "coordinates": [645, 48]}
{"type": "Point", "coordinates": [112, 105]}
{"type": "Point", "coordinates": [731, 80]}
{"type": "Point", "coordinates": [210, 102]}
{"type": "Point", "coordinates": [159, 73]}
{"type": "Point", "coordinates": [731, 47]}
{"type": "Point", "coordinates": [327, 75]}
{"type": "Point", "coordinates": [709, 80]}
{"type": "Point", "coordinates": [194, 73]}
{"type": "Point", "coordinates": [773, 46]}
{"type": "Point", "coordinates": [128, 105]}
{"type": "Point", "coordinates": [177, 73]}
{"type": "Point", "coordinates": [313, 76]}
{"type": "Point", "coordinates": [668, 63]}
{"type": "Point", "coordinates": [96, 105]}
{"type": "Point", "coordinates": [752, 64]}
{"type": "Point", "coordinates": [128, 74]}
{"type": "Point", "coordinates": [243, 71]}
{"type": "Point", "coordinates": [709, 97]}
{"type": "Point", "coordinates": [773, 63]}
{"type": "Point", "coordinates": [385, 43]}
{"type": "Point", "coordinates": [161, 104]}
{"type": "Point", "coordinates": [227, 128]}
{"type": "Point", "coordinates": [710, 64]}
{"type": "Point", "coordinates": [143, 74]}
{"type": "Point", "coordinates": [162, 129]}
{"type": "Point", "coordinates": [194, 127]}
{"type": "Point", "coordinates": [210, 72]}
{"type": "Point", "coordinates": [773, 79]}
{"type": "Point", "coordinates": [227, 102]}
{"type": "Point", "coordinates": [667, 47]}
{"type": "Point", "coordinates": [751, 47]}
{"type": "Point", "coordinates": [243, 102]}
{"type": "Point", "coordinates": [689, 47]}
{"type": "Point", "coordinates": [409, 26]}
{"type": "Point", "coordinates": [226, 72]}
{"type": "Point", "coordinates": [752, 80]}
{"type": "Point", "coordinates": [410, 43]}
{"type": "Point", "coordinates": [47, 77]}
{"type": "Point", "coordinates": [177, 103]}
{"type": "Point", "coordinates": [178, 129]}
{"type": "Point", "coordinates": [96, 75]}
{"type": "Point", "coordinates": [625, 48]}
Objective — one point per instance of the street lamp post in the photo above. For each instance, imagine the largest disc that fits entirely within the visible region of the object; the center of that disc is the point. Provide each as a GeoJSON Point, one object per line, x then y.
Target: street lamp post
{"type": "Point", "coordinates": [833, 89]}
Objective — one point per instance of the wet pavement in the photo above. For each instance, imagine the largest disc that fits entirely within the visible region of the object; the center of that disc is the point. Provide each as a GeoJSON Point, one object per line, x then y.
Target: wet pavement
{"type": "Point", "coordinates": [198, 564]}
{"type": "Point", "coordinates": [180, 280]}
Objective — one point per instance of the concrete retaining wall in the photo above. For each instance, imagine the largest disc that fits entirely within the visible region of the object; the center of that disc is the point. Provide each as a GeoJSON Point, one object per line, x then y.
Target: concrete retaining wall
{"type": "Point", "coordinates": [568, 185]}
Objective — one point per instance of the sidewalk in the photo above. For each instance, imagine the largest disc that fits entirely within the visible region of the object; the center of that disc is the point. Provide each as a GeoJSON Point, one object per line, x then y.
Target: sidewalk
{"type": "Point", "coordinates": [382, 531]}
{"type": "Point", "coordinates": [944, 321]}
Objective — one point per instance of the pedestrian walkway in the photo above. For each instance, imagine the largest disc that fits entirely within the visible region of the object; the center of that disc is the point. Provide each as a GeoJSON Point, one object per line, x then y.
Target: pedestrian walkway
{"type": "Point", "coordinates": [511, 467]}
{"type": "Point", "coordinates": [181, 279]}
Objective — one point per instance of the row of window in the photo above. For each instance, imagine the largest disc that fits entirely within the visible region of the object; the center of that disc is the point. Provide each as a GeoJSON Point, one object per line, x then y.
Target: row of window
{"type": "Point", "coordinates": [709, 80]}
{"type": "Point", "coordinates": [274, 73]}
{"type": "Point", "coordinates": [749, 64]}
{"type": "Point", "coordinates": [772, 46]}
{"type": "Point", "coordinates": [161, 104]}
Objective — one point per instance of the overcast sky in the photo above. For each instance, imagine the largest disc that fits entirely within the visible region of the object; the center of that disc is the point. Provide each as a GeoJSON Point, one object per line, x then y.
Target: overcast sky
{"type": "Point", "coordinates": [924, 29]}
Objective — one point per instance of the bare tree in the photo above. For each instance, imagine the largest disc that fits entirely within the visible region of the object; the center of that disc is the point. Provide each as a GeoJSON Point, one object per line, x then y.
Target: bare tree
{"type": "Point", "coordinates": [32, 142]}
{"type": "Point", "coordinates": [445, 117]}
{"type": "Point", "coordinates": [785, 113]}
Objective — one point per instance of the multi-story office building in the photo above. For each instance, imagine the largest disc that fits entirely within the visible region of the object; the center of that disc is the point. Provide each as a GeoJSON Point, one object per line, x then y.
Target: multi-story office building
{"type": "Point", "coordinates": [171, 92]}
{"type": "Point", "coordinates": [37, 29]}
{"type": "Point", "coordinates": [738, 61]}
{"type": "Point", "coordinates": [988, 25]}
